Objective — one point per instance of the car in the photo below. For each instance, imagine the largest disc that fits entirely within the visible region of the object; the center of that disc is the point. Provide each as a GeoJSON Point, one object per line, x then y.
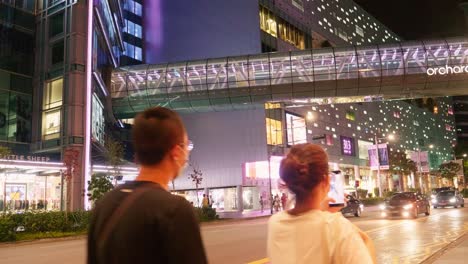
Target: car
{"type": "Point", "coordinates": [438, 190]}
{"type": "Point", "coordinates": [353, 206]}
{"type": "Point", "coordinates": [406, 204]}
{"type": "Point", "coordinates": [448, 198]}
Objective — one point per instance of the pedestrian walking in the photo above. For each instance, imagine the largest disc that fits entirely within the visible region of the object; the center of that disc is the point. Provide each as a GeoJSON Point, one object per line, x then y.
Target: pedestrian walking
{"type": "Point", "coordinates": [205, 201]}
{"type": "Point", "coordinates": [313, 232]}
{"type": "Point", "coordinates": [141, 221]}
{"type": "Point", "coordinates": [284, 200]}
{"type": "Point", "coordinates": [261, 203]}
{"type": "Point", "coordinates": [277, 203]}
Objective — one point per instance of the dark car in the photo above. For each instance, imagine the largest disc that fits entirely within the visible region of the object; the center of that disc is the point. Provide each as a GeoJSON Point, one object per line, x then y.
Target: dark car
{"type": "Point", "coordinates": [406, 204]}
{"type": "Point", "coordinates": [441, 189]}
{"type": "Point", "coordinates": [353, 206]}
{"type": "Point", "coordinates": [448, 198]}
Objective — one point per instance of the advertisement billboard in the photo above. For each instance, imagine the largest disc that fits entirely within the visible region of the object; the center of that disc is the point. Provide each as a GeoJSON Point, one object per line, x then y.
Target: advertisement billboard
{"type": "Point", "coordinates": [378, 157]}
{"type": "Point", "coordinates": [295, 129]}
{"type": "Point", "coordinates": [347, 146]}
{"type": "Point", "coordinates": [421, 158]}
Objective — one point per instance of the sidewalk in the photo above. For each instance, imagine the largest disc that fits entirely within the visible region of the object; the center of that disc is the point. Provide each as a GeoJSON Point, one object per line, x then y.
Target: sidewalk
{"type": "Point", "coordinates": [244, 214]}
{"type": "Point", "coordinates": [455, 253]}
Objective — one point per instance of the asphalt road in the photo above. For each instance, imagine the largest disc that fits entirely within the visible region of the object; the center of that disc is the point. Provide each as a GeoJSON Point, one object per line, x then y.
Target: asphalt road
{"type": "Point", "coordinates": [396, 240]}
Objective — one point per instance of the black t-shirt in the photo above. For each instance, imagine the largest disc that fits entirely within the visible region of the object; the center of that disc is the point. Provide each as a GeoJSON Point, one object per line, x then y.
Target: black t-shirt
{"type": "Point", "coordinates": [157, 227]}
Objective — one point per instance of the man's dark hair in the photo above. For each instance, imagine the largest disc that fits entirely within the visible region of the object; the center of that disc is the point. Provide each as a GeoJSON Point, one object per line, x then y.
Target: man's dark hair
{"type": "Point", "coordinates": [155, 132]}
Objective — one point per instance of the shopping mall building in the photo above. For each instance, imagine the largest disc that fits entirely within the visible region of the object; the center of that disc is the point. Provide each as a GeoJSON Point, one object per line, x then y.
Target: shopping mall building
{"type": "Point", "coordinates": [66, 86]}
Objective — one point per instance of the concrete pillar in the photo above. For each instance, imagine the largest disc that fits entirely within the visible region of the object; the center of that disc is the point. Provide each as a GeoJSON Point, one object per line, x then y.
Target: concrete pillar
{"type": "Point", "coordinates": [240, 199]}
{"type": "Point", "coordinates": [357, 175]}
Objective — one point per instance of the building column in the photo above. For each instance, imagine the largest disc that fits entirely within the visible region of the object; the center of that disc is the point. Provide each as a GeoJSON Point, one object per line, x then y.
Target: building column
{"type": "Point", "coordinates": [357, 175]}
{"type": "Point", "coordinates": [240, 199]}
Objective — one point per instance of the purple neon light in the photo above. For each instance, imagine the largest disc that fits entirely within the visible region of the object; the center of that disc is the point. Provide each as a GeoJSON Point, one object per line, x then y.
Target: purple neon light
{"type": "Point", "coordinates": [87, 148]}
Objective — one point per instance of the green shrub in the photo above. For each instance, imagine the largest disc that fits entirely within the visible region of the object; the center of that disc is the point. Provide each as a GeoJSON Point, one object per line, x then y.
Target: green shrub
{"type": "Point", "coordinates": [7, 228]}
{"type": "Point", "coordinates": [389, 194]}
{"type": "Point", "coordinates": [206, 214]}
{"type": "Point", "coordinates": [372, 201]}
{"type": "Point", "coordinates": [54, 224]}
{"type": "Point", "coordinates": [376, 191]}
{"type": "Point", "coordinates": [362, 193]}
{"type": "Point", "coordinates": [465, 193]}
{"type": "Point", "coordinates": [42, 222]}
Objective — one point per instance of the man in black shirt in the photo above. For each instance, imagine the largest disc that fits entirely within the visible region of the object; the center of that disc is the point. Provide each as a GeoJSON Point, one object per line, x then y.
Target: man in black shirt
{"type": "Point", "coordinates": [140, 221]}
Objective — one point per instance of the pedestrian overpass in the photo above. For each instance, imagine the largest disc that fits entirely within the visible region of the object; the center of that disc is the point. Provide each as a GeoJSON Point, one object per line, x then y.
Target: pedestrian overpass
{"type": "Point", "coordinates": [357, 73]}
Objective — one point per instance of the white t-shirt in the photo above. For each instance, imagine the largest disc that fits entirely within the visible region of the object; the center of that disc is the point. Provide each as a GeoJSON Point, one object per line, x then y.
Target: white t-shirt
{"type": "Point", "coordinates": [315, 237]}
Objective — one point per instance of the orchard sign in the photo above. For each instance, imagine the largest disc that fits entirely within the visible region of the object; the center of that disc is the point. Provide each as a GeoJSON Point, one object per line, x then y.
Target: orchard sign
{"type": "Point", "coordinates": [447, 70]}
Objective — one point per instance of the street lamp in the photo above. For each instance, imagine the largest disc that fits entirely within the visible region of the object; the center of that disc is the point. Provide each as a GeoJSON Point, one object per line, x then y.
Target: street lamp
{"type": "Point", "coordinates": [464, 155]}
{"type": "Point", "coordinates": [376, 142]}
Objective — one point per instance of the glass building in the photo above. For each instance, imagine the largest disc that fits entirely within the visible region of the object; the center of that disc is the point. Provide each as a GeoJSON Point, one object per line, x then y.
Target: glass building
{"type": "Point", "coordinates": [56, 60]}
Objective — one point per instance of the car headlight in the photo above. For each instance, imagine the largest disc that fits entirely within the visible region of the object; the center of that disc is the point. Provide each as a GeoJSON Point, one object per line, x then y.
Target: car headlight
{"type": "Point", "coordinates": [434, 200]}
{"type": "Point", "coordinates": [382, 207]}
{"type": "Point", "coordinates": [408, 206]}
{"type": "Point", "coordinates": [452, 200]}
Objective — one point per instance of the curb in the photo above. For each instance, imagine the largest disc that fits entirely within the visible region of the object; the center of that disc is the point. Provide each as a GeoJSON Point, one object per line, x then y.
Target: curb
{"type": "Point", "coordinates": [439, 253]}
{"type": "Point", "coordinates": [40, 241]}
{"type": "Point", "coordinates": [230, 220]}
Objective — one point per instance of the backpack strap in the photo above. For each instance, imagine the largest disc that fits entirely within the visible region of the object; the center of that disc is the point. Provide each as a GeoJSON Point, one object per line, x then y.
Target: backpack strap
{"type": "Point", "coordinates": [118, 213]}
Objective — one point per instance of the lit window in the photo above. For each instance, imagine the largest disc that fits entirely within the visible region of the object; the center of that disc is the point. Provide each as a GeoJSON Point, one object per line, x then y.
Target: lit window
{"type": "Point", "coordinates": [51, 124]}
{"type": "Point", "coordinates": [138, 54]}
{"type": "Point", "coordinates": [138, 31]}
{"type": "Point", "coordinates": [274, 132]}
{"type": "Point", "coordinates": [350, 115]}
{"type": "Point", "coordinates": [53, 94]}
{"type": "Point", "coordinates": [138, 9]}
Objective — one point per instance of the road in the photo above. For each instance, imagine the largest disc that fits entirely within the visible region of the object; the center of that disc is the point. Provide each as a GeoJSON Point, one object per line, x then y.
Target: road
{"type": "Point", "coordinates": [396, 240]}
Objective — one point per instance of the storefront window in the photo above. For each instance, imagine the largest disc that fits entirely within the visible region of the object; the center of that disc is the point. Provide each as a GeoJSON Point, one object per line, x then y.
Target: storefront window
{"type": "Point", "coordinates": [224, 199]}
{"type": "Point", "coordinates": [251, 197]}
{"type": "Point", "coordinates": [23, 191]}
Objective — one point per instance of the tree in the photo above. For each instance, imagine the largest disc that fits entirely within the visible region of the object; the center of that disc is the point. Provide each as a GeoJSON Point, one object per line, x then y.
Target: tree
{"type": "Point", "coordinates": [98, 186]}
{"type": "Point", "coordinates": [197, 177]}
{"type": "Point", "coordinates": [449, 170]}
{"type": "Point", "coordinates": [114, 155]}
{"type": "Point", "coordinates": [401, 165]}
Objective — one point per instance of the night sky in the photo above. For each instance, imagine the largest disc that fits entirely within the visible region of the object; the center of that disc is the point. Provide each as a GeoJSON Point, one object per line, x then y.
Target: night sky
{"type": "Point", "coordinates": [418, 19]}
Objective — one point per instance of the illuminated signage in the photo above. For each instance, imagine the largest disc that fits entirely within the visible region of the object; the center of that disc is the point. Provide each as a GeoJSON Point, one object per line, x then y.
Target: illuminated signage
{"type": "Point", "coordinates": [447, 70]}
{"type": "Point", "coordinates": [347, 146]}
{"type": "Point", "coordinates": [22, 157]}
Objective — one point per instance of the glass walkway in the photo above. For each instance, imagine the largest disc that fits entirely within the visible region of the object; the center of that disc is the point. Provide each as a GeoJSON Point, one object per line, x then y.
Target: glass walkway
{"type": "Point", "coordinates": [390, 71]}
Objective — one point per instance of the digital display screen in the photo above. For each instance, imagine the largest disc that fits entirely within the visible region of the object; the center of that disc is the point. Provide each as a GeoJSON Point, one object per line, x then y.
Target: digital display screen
{"type": "Point", "coordinates": [347, 146]}
{"type": "Point", "coordinates": [296, 129]}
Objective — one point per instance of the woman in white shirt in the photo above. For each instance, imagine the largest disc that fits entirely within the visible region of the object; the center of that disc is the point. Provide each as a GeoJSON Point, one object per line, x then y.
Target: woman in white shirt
{"type": "Point", "coordinates": [312, 232]}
